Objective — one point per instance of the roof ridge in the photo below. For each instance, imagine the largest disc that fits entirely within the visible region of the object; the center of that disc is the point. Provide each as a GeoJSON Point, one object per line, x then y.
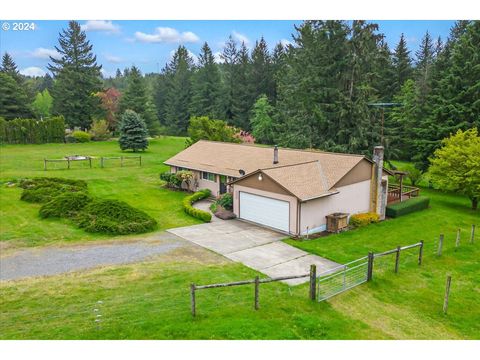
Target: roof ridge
{"type": "Point", "coordinates": [262, 146]}
{"type": "Point", "coordinates": [323, 177]}
{"type": "Point", "coordinates": [284, 166]}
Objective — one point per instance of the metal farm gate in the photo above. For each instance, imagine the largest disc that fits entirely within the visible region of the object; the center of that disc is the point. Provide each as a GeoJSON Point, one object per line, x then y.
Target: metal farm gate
{"type": "Point", "coordinates": [342, 278]}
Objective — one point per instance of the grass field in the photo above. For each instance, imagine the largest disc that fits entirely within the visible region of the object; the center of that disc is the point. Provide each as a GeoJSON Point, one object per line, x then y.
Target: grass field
{"type": "Point", "coordinates": [138, 186]}
{"type": "Point", "coordinates": [150, 300]}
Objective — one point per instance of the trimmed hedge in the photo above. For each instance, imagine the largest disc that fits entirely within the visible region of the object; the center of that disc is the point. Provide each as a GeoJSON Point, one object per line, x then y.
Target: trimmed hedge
{"type": "Point", "coordinates": [359, 220]}
{"type": "Point", "coordinates": [43, 190]}
{"type": "Point", "coordinates": [66, 205]}
{"type": "Point", "coordinates": [197, 213]}
{"type": "Point", "coordinates": [407, 207]}
{"type": "Point", "coordinates": [32, 131]}
{"type": "Point", "coordinates": [114, 217]}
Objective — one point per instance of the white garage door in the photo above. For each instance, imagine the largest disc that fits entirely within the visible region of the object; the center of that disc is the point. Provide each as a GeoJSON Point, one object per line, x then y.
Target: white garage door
{"type": "Point", "coordinates": [264, 210]}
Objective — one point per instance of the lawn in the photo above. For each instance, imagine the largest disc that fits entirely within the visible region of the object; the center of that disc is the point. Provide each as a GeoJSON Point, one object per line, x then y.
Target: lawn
{"type": "Point", "coordinates": [150, 300]}
{"type": "Point", "coordinates": [138, 186]}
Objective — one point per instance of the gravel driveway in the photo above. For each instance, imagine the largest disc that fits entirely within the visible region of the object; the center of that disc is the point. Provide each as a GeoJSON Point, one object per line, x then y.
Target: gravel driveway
{"type": "Point", "coordinates": [57, 260]}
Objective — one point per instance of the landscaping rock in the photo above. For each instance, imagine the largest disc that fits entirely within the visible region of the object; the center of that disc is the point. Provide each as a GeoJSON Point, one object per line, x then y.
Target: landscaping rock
{"type": "Point", "coordinates": [225, 214]}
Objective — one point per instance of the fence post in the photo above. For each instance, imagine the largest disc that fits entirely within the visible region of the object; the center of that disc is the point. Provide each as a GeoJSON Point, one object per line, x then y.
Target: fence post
{"type": "Point", "coordinates": [472, 234]}
{"type": "Point", "coordinates": [457, 241]}
{"type": "Point", "coordinates": [440, 245]}
{"type": "Point", "coordinates": [45, 164]}
{"type": "Point", "coordinates": [140, 161]}
{"type": "Point", "coordinates": [313, 282]}
{"type": "Point", "coordinates": [101, 162]}
{"type": "Point", "coordinates": [192, 296]}
{"type": "Point", "coordinates": [121, 161]}
{"type": "Point", "coordinates": [68, 162]}
{"type": "Point", "coordinates": [90, 162]}
{"type": "Point", "coordinates": [257, 288]}
{"type": "Point", "coordinates": [447, 294]}
{"type": "Point", "coordinates": [370, 266]}
{"type": "Point", "coordinates": [420, 253]}
{"type": "Point", "coordinates": [397, 259]}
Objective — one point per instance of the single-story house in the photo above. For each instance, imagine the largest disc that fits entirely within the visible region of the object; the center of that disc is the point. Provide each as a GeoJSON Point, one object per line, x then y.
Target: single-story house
{"type": "Point", "coordinates": [287, 189]}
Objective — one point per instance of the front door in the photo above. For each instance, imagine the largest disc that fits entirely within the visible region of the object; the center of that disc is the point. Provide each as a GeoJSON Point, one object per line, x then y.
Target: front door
{"type": "Point", "coordinates": [223, 184]}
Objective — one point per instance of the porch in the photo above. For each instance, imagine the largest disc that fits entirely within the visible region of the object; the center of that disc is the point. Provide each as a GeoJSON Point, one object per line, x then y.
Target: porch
{"type": "Point", "coordinates": [399, 192]}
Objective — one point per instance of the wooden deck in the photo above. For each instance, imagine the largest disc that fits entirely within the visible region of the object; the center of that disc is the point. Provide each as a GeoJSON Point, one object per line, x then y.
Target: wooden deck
{"type": "Point", "coordinates": [397, 193]}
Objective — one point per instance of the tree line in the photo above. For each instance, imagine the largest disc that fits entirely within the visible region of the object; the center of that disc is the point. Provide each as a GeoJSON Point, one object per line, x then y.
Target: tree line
{"type": "Point", "coordinates": [338, 87]}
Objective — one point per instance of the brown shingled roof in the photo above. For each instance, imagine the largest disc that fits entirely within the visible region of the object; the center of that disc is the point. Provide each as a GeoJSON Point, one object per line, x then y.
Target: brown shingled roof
{"type": "Point", "coordinates": [305, 173]}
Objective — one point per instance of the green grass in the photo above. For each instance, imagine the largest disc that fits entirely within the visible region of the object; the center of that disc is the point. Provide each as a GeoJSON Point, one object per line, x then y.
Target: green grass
{"type": "Point", "coordinates": [138, 186]}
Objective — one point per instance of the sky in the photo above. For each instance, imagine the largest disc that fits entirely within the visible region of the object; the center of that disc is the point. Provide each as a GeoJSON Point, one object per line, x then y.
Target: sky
{"type": "Point", "coordinates": [149, 44]}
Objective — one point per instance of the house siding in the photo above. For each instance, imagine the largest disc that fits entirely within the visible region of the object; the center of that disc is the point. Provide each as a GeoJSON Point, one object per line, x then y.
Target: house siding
{"type": "Point", "coordinates": [351, 199]}
{"type": "Point", "coordinates": [199, 183]}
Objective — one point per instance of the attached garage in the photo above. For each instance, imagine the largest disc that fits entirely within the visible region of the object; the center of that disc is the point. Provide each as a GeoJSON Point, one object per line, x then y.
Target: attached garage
{"type": "Point", "coordinates": [264, 210]}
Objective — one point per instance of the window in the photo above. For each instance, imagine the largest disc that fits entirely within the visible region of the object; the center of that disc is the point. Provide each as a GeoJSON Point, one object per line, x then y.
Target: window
{"type": "Point", "coordinates": [180, 168]}
{"type": "Point", "coordinates": [208, 176]}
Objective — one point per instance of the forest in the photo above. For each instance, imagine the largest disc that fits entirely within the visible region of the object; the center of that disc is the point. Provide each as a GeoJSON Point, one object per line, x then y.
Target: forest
{"type": "Point", "coordinates": [337, 87]}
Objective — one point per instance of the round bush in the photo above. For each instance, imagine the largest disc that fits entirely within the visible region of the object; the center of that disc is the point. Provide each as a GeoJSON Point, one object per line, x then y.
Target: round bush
{"type": "Point", "coordinates": [114, 217]}
{"type": "Point", "coordinates": [81, 136]}
{"type": "Point", "coordinates": [65, 205]}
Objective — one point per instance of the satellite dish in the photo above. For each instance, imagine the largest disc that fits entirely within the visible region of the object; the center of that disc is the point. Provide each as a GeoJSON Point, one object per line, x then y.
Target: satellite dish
{"type": "Point", "coordinates": [242, 172]}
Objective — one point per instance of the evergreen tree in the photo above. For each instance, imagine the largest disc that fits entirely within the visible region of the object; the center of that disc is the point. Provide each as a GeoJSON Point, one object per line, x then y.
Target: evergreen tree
{"type": "Point", "coordinates": [77, 78]}
{"type": "Point", "coordinates": [14, 102]}
{"type": "Point", "coordinates": [46, 83]}
{"type": "Point", "coordinates": [261, 122]}
{"type": "Point", "coordinates": [230, 58]}
{"type": "Point", "coordinates": [243, 91]}
{"type": "Point", "coordinates": [178, 97]}
{"type": "Point", "coordinates": [278, 63]}
{"type": "Point", "coordinates": [402, 64]}
{"type": "Point", "coordinates": [160, 89]}
{"type": "Point", "coordinates": [10, 68]}
{"type": "Point", "coordinates": [206, 87]}
{"type": "Point", "coordinates": [133, 132]}
{"type": "Point", "coordinates": [261, 76]}
{"type": "Point", "coordinates": [425, 57]}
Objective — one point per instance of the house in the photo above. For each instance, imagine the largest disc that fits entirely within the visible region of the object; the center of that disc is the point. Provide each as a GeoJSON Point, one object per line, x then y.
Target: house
{"type": "Point", "coordinates": [287, 189]}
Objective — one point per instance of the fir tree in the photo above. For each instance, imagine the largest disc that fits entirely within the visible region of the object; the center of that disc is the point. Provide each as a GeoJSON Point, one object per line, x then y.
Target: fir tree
{"type": "Point", "coordinates": [243, 92]}
{"type": "Point", "coordinates": [278, 63]}
{"type": "Point", "coordinates": [14, 102]}
{"type": "Point", "coordinates": [230, 58]}
{"type": "Point", "coordinates": [261, 76]}
{"type": "Point", "coordinates": [178, 97]}
{"type": "Point", "coordinates": [133, 132]}
{"type": "Point", "coordinates": [10, 68]}
{"type": "Point", "coordinates": [425, 57]}
{"type": "Point", "coordinates": [77, 78]}
{"type": "Point", "coordinates": [402, 64]}
{"type": "Point", "coordinates": [206, 86]}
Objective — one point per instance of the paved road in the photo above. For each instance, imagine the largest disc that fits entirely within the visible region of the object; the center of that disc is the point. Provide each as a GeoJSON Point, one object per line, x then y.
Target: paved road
{"type": "Point", "coordinates": [255, 247]}
{"type": "Point", "coordinates": [57, 260]}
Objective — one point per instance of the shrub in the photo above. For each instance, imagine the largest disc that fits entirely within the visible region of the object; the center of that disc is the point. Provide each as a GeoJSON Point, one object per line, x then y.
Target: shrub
{"type": "Point", "coordinates": [359, 220]}
{"type": "Point", "coordinates": [226, 201]}
{"type": "Point", "coordinates": [69, 139]}
{"type": "Point", "coordinates": [114, 217]}
{"type": "Point", "coordinates": [171, 179]}
{"type": "Point", "coordinates": [81, 136]}
{"type": "Point", "coordinates": [65, 205]}
{"type": "Point", "coordinates": [407, 207]}
{"type": "Point", "coordinates": [42, 190]}
{"type": "Point", "coordinates": [32, 131]}
{"type": "Point", "coordinates": [197, 213]}
{"type": "Point", "coordinates": [100, 131]}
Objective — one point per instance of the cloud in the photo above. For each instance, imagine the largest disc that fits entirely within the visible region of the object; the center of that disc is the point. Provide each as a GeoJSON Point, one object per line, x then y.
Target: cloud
{"type": "Point", "coordinates": [167, 35]}
{"type": "Point", "coordinates": [218, 57]}
{"type": "Point", "coordinates": [33, 71]}
{"type": "Point", "coordinates": [101, 25]}
{"type": "Point", "coordinates": [106, 73]}
{"type": "Point", "coordinates": [241, 38]}
{"type": "Point", "coordinates": [43, 53]}
{"type": "Point", "coordinates": [113, 59]}
{"type": "Point", "coordinates": [285, 42]}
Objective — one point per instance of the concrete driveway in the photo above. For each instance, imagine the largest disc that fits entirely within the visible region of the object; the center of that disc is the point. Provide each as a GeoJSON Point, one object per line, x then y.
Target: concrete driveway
{"type": "Point", "coordinates": [255, 247]}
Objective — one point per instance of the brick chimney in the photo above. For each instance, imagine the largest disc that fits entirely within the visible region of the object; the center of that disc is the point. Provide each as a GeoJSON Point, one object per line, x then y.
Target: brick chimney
{"type": "Point", "coordinates": [379, 187]}
{"type": "Point", "coordinates": [275, 154]}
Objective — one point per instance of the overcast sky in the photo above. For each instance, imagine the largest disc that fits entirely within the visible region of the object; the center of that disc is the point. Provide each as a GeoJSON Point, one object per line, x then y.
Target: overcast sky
{"type": "Point", "coordinates": [149, 44]}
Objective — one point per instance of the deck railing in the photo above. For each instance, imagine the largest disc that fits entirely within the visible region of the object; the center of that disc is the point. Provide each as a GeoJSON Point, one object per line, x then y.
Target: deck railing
{"type": "Point", "coordinates": [397, 193]}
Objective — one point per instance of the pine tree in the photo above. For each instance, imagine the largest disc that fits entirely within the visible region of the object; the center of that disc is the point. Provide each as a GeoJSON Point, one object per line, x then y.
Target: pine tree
{"type": "Point", "coordinates": [10, 68]}
{"type": "Point", "coordinates": [178, 97]}
{"type": "Point", "coordinates": [278, 63]}
{"type": "Point", "coordinates": [261, 76]}
{"type": "Point", "coordinates": [230, 58]}
{"type": "Point", "coordinates": [46, 83]}
{"type": "Point", "coordinates": [206, 87]}
{"type": "Point", "coordinates": [133, 132]}
{"type": "Point", "coordinates": [402, 64]}
{"type": "Point", "coordinates": [135, 96]}
{"type": "Point", "coordinates": [425, 57]}
{"type": "Point", "coordinates": [243, 91]}
{"type": "Point", "coordinates": [77, 78]}
{"type": "Point", "coordinates": [14, 102]}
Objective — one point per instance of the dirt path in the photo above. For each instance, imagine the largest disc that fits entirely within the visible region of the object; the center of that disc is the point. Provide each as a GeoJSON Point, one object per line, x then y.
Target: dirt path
{"type": "Point", "coordinates": [57, 260]}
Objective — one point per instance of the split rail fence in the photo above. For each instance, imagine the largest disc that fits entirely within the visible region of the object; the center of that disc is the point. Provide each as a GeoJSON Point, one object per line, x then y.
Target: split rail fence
{"type": "Point", "coordinates": [104, 161]}
{"type": "Point", "coordinates": [324, 285]}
